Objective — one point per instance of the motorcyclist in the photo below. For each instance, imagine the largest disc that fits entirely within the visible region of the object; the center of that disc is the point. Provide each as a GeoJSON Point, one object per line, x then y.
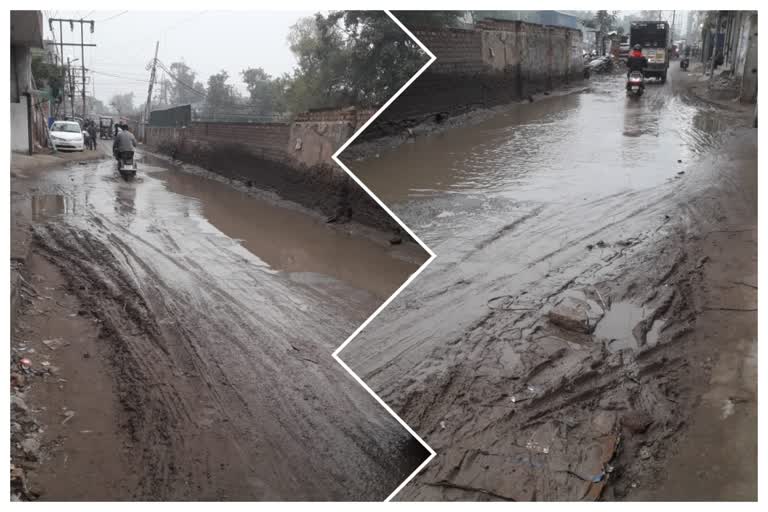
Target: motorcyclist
{"type": "Point", "coordinates": [636, 60]}
{"type": "Point", "coordinates": [124, 141]}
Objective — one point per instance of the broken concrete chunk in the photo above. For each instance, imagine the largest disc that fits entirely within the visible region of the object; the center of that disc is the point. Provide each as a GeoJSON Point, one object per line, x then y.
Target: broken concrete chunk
{"type": "Point", "coordinates": [575, 312]}
{"type": "Point", "coordinates": [31, 447]}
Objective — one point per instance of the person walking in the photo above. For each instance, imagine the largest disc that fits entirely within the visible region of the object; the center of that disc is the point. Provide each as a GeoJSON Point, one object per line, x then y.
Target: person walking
{"type": "Point", "coordinates": [93, 136]}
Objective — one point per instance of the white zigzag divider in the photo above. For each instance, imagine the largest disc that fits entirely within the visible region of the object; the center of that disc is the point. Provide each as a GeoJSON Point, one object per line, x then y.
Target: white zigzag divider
{"type": "Point", "coordinates": [408, 281]}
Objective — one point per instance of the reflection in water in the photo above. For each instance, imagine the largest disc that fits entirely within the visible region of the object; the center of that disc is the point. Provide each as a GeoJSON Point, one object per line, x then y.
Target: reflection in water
{"type": "Point", "coordinates": [125, 199]}
{"type": "Point", "coordinates": [51, 205]}
{"type": "Point", "coordinates": [288, 240]}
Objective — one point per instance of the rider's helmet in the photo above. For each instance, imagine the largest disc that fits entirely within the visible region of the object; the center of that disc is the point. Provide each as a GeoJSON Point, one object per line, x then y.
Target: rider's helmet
{"type": "Point", "coordinates": [637, 47]}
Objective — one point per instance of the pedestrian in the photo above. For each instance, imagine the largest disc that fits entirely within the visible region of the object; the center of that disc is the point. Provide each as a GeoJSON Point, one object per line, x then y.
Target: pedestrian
{"type": "Point", "coordinates": [93, 134]}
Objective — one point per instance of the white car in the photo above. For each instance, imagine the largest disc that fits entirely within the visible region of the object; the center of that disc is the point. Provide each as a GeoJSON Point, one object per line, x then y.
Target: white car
{"type": "Point", "coordinates": [67, 135]}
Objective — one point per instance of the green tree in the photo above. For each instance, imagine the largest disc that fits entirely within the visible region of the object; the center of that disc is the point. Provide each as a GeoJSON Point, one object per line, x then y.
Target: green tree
{"type": "Point", "coordinates": [267, 94]}
{"type": "Point", "coordinates": [48, 76]}
{"type": "Point", "coordinates": [220, 96]}
{"type": "Point", "coordinates": [183, 88]}
{"type": "Point", "coordinates": [349, 58]}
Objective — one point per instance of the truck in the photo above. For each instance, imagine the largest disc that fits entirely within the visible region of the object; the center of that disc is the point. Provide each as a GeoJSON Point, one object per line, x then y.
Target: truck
{"type": "Point", "coordinates": [653, 38]}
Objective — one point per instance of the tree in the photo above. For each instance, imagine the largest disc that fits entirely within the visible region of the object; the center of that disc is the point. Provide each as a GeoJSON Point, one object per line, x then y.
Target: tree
{"type": "Point", "coordinates": [220, 96]}
{"type": "Point", "coordinates": [267, 94]}
{"type": "Point", "coordinates": [605, 21]}
{"type": "Point", "coordinates": [182, 87]}
{"type": "Point", "coordinates": [349, 58]}
{"type": "Point", "coordinates": [49, 76]}
{"type": "Point", "coordinates": [123, 103]}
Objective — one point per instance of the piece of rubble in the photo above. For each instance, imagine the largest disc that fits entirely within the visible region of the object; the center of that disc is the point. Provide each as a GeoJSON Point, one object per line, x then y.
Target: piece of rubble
{"type": "Point", "coordinates": [31, 448]}
{"type": "Point", "coordinates": [54, 343]}
{"type": "Point", "coordinates": [18, 403]}
{"type": "Point", "coordinates": [576, 312]}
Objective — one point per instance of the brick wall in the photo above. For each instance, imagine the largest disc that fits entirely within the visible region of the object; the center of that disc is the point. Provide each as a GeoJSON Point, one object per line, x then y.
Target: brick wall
{"type": "Point", "coordinates": [494, 63]}
{"type": "Point", "coordinates": [291, 159]}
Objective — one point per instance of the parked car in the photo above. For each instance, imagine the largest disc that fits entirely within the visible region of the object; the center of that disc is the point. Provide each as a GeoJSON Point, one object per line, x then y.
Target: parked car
{"type": "Point", "coordinates": [67, 135]}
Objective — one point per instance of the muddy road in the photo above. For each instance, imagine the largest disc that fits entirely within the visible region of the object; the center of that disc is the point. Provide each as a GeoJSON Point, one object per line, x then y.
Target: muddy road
{"type": "Point", "coordinates": [204, 320]}
{"type": "Point", "coordinates": [588, 328]}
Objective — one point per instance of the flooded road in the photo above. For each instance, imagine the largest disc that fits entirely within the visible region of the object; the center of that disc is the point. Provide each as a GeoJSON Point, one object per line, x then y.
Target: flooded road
{"type": "Point", "coordinates": [219, 313]}
{"type": "Point", "coordinates": [596, 195]}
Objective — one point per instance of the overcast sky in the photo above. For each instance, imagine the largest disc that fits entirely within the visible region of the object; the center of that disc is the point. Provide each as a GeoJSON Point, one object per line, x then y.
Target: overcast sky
{"type": "Point", "coordinates": [208, 41]}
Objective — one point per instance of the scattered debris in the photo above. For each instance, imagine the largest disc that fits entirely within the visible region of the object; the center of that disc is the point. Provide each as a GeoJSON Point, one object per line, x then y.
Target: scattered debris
{"type": "Point", "coordinates": [68, 415]}
{"type": "Point", "coordinates": [55, 343]}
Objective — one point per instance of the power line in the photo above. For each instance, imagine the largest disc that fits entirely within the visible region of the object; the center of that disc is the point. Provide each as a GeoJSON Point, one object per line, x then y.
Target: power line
{"type": "Point", "coordinates": [119, 76]}
{"type": "Point", "coordinates": [190, 87]}
{"type": "Point", "coordinates": [112, 17]}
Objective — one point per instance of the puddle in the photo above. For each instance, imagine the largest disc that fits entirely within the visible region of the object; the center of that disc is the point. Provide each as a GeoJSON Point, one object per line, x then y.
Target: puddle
{"type": "Point", "coordinates": [51, 205]}
{"type": "Point", "coordinates": [287, 240]}
{"type": "Point", "coordinates": [617, 325]}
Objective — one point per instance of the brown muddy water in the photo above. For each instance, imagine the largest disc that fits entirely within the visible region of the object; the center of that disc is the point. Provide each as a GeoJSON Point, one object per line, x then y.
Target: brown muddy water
{"type": "Point", "coordinates": [593, 193]}
{"type": "Point", "coordinates": [219, 313]}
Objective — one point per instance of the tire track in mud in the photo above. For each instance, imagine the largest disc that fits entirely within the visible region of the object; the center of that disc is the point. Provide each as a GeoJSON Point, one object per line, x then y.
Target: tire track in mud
{"type": "Point", "coordinates": [223, 366]}
{"type": "Point", "coordinates": [516, 407]}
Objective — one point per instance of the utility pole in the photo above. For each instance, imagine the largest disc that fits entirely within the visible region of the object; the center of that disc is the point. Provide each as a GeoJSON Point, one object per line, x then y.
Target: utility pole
{"type": "Point", "coordinates": [71, 89]}
{"type": "Point", "coordinates": [82, 46]}
{"type": "Point", "coordinates": [148, 105]}
{"type": "Point", "coordinates": [82, 65]}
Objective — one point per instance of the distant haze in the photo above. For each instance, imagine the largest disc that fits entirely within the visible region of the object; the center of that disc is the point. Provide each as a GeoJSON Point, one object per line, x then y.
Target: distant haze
{"type": "Point", "coordinates": [207, 41]}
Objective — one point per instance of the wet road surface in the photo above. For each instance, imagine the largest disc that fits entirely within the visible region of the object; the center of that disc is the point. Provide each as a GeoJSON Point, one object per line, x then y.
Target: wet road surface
{"type": "Point", "coordinates": [219, 313]}
{"type": "Point", "coordinates": [586, 193]}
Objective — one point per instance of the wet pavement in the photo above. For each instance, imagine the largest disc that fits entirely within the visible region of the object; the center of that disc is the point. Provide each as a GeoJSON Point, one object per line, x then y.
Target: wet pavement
{"type": "Point", "coordinates": [219, 314]}
{"type": "Point", "coordinates": [588, 192]}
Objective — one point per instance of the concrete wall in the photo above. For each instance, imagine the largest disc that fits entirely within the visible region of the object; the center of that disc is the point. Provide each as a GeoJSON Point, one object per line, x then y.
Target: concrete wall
{"type": "Point", "coordinates": [749, 67]}
{"type": "Point", "coordinates": [315, 136]}
{"type": "Point", "coordinates": [493, 63]}
{"type": "Point", "coordinates": [19, 127]}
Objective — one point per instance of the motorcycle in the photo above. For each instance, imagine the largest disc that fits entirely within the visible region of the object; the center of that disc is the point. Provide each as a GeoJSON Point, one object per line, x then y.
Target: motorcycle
{"type": "Point", "coordinates": [635, 83]}
{"type": "Point", "coordinates": [126, 165]}
{"type": "Point", "coordinates": [684, 63]}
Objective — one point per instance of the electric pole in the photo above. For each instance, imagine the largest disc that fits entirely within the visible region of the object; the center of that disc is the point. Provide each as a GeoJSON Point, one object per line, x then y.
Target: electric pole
{"type": "Point", "coordinates": [82, 65]}
{"type": "Point", "coordinates": [71, 89]}
{"type": "Point", "coordinates": [82, 46]}
{"type": "Point", "coordinates": [151, 83]}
